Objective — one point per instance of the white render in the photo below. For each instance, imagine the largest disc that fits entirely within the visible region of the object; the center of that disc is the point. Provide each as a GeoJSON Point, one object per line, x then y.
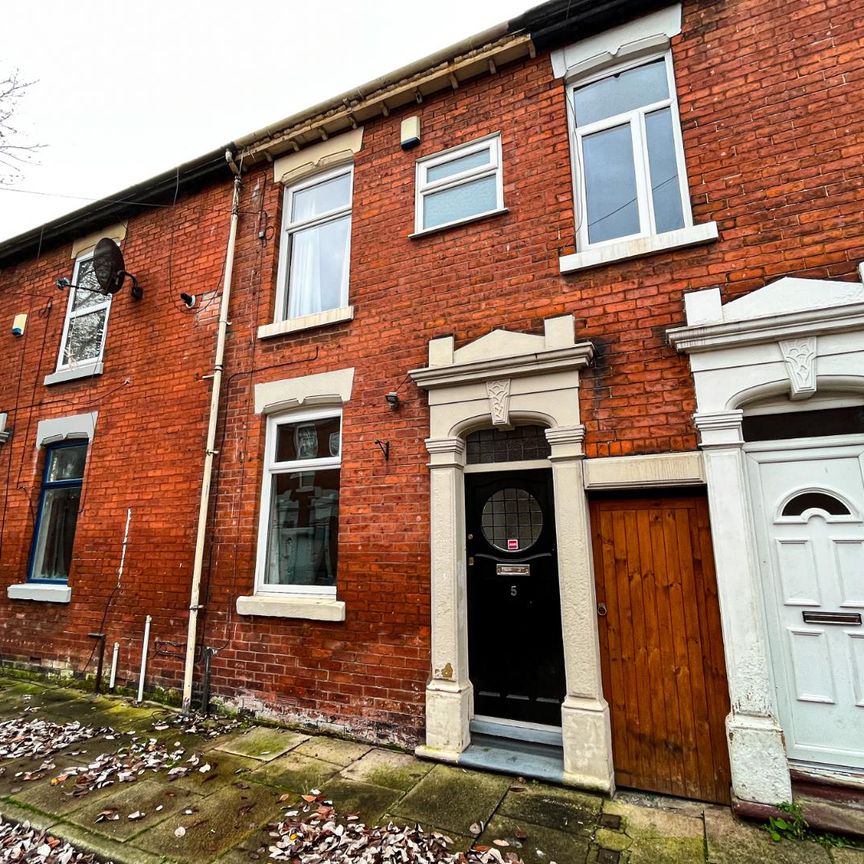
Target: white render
{"type": "Point", "coordinates": [41, 592]}
{"type": "Point", "coordinates": [318, 157]}
{"type": "Point", "coordinates": [646, 34]}
{"type": "Point", "coordinates": [651, 471]}
{"type": "Point", "coordinates": [500, 379]}
{"type": "Point", "coordinates": [795, 339]}
{"type": "Point", "coordinates": [325, 388]}
{"type": "Point", "coordinates": [66, 428]}
{"type": "Point", "coordinates": [306, 322]}
{"type": "Point", "coordinates": [311, 608]}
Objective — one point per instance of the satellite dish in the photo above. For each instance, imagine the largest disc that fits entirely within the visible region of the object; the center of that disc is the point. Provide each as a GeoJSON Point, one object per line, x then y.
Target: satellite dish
{"type": "Point", "coordinates": [109, 268]}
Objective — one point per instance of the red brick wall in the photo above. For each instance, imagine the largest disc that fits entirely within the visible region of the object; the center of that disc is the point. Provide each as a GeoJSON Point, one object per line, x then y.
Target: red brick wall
{"type": "Point", "coordinates": [772, 123]}
{"type": "Point", "coordinates": [147, 450]}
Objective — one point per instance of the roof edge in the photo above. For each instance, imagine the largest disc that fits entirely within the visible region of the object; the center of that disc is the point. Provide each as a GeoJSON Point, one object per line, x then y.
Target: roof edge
{"type": "Point", "coordinates": [92, 216]}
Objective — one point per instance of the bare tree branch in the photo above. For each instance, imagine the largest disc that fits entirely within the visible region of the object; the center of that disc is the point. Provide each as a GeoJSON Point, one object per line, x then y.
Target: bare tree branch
{"type": "Point", "coordinates": [15, 150]}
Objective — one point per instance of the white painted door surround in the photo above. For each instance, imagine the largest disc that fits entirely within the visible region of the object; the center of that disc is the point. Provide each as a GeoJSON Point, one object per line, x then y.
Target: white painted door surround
{"type": "Point", "coordinates": [793, 340]}
{"type": "Point", "coordinates": [498, 380]}
{"type": "Point", "coordinates": [808, 508]}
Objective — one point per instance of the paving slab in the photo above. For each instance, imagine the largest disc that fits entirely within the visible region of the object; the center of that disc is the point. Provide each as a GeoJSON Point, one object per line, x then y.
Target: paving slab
{"type": "Point", "coordinates": [453, 798]}
{"type": "Point", "coordinates": [335, 750]}
{"type": "Point", "coordinates": [455, 842]}
{"type": "Point", "coordinates": [57, 799]}
{"type": "Point", "coordinates": [261, 742]}
{"type": "Point", "coordinates": [225, 770]}
{"type": "Point", "coordinates": [655, 821]}
{"type": "Point", "coordinates": [541, 844]}
{"type": "Point", "coordinates": [388, 768]}
{"type": "Point", "coordinates": [222, 821]}
{"type": "Point", "coordinates": [294, 772]}
{"type": "Point", "coordinates": [144, 797]}
{"type": "Point", "coordinates": [106, 848]}
{"type": "Point", "coordinates": [367, 801]}
{"type": "Point", "coordinates": [730, 841]}
{"type": "Point", "coordinates": [552, 806]}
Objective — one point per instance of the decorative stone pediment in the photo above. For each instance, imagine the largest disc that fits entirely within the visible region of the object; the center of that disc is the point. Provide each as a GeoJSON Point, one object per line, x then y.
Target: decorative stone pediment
{"type": "Point", "coordinates": [499, 343]}
{"type": "Point", "coordinates": [785, 309]}
{"type": "Point", "coordinates": [504, 354]}
{"type": "Point", "coordinates": [792, 339]}
{"type": "Point", "coordinates": [792, 295]}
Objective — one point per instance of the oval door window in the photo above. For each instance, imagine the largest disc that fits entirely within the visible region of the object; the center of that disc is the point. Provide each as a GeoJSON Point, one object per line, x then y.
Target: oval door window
{"type": "Point", "coordinates": [511, 520]}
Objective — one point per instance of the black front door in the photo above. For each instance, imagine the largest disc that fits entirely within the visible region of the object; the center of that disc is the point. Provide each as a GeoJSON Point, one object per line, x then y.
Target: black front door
{"type": "Point", "coordinates": [515, 653]}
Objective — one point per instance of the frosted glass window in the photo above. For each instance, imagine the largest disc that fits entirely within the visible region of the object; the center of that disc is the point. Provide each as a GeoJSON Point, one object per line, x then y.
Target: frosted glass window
{"type": "Point", "coordinates": [459, 202]}
{"type": "Point", "coordinates": [459, 185]}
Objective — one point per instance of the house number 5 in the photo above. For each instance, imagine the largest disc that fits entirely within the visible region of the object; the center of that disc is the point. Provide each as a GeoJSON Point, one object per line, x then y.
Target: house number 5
{"type": "Point", "coordinates": [513, 591]}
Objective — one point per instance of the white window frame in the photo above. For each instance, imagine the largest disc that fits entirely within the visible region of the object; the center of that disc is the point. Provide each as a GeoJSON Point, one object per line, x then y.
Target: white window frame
{"type": "Point", "coordinates": [70, 314]}
{"type": "Point", "coordinates": [423, 187]}
{"type": "Point", "coordinates": [296, 466]}
{"type": "Point", "coordinates": [636, 120]}
{"type": "Point", "coordinates": [288, 229]}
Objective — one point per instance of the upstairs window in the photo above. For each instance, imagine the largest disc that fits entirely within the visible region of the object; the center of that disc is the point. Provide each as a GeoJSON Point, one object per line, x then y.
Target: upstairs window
{"type": "Point", "coordinates": [460, 184]}
{"type": "Point", "coordinates": [316, 245]}
{"type": "Point", "coordinates": [57, 516]}
{"type": "Point", "coordinates": [86, 320]}
{"type": "Point", "coordinates": [629, 160]}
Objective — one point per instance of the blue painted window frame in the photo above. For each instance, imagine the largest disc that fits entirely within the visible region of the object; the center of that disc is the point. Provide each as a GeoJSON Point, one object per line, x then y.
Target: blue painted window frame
{"type": "Point", "coordinates": [47, 485]}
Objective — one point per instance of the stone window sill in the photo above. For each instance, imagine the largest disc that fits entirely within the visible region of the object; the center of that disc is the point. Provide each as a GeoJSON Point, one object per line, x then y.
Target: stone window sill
{"type": "Point", "coordinates": [40, 591]}
{"type": "Point", "coordinates": [641, 246]}
{"type": "Point", "coordinates": [294, 606]}
{"type": "Point", "coordinates": [62, 375]}
{"type": "Point", "coordinates": [306, 322]}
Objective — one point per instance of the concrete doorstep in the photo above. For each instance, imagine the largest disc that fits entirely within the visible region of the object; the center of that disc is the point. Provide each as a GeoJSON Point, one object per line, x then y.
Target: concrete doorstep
{"type": "Point", "coordinates": [198, 796]}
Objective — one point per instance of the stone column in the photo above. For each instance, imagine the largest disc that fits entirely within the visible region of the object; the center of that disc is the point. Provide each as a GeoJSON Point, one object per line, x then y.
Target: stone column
{"type": "Point", "coordinates": [757, 753]}
{"type": "Point", "coordinates": [585, 723]}
{"type": "Point", "coordinates": [449, 694]}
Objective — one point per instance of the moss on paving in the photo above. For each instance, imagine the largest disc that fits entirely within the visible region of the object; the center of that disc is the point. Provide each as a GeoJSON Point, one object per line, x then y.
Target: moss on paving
{"type": "Point", "coordinates": [363, 799]}
{"type": "Point", "coordinates": [552, 806]}
{"type": "Point", "coordinates": [335, 750]}
{"type": "Point", "coordinates": [453, 799]}
{"type": "Point", "coordinates": [222, 821]}
{"type": "Point", "coordinates": [261, 743]}
{"type": "Point", "coordinates": [388, 768]}
{"type": "Point", "coordinates": [294, 772]}
{"type": "Point", "coordinates": [540, 845]}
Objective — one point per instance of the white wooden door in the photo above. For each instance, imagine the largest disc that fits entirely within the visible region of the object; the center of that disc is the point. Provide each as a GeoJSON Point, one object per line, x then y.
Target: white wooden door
{"type": "Point", "coordinates": [809, 509]}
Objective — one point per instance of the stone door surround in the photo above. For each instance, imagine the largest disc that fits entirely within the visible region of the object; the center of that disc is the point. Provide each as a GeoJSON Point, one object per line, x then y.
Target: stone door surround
{"type": "Point", "coordinates": [502, 379]}
{"type": "Point", "coordinates": [791, 341]}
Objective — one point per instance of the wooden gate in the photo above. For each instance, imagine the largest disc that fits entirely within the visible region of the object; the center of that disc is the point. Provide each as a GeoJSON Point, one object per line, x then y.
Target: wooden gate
{"type": "Point", "coordinates": [661, 646]}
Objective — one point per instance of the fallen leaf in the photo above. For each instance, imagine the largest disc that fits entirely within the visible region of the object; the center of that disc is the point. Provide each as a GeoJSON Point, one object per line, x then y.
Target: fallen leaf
{"type": "Point", "coordinates": [180, 831]}
{"type": "Point", "coordinates": [136, 815]}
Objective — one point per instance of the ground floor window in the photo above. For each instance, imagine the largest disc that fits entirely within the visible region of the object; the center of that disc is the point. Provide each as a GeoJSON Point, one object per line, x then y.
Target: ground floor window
{"type": "Point", "coordinates": [57, 515]}
{"type": "Point", "coordinates": [300, 504]}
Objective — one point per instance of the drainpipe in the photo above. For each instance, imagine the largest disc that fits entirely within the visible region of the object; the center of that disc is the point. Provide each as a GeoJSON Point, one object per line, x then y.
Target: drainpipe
{"type": "Point", "coordinates": [209, 453]}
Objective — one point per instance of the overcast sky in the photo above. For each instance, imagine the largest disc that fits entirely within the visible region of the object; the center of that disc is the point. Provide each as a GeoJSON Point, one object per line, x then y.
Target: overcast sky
{"type": "Point", "coordinates": [127, 90]}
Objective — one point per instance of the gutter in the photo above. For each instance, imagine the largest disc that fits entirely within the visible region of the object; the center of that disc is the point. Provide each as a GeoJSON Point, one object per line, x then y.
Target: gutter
{"type": "Point", "coordinates": [160, 189]}
{"type": "Point", "coordinates": [448, 68]}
